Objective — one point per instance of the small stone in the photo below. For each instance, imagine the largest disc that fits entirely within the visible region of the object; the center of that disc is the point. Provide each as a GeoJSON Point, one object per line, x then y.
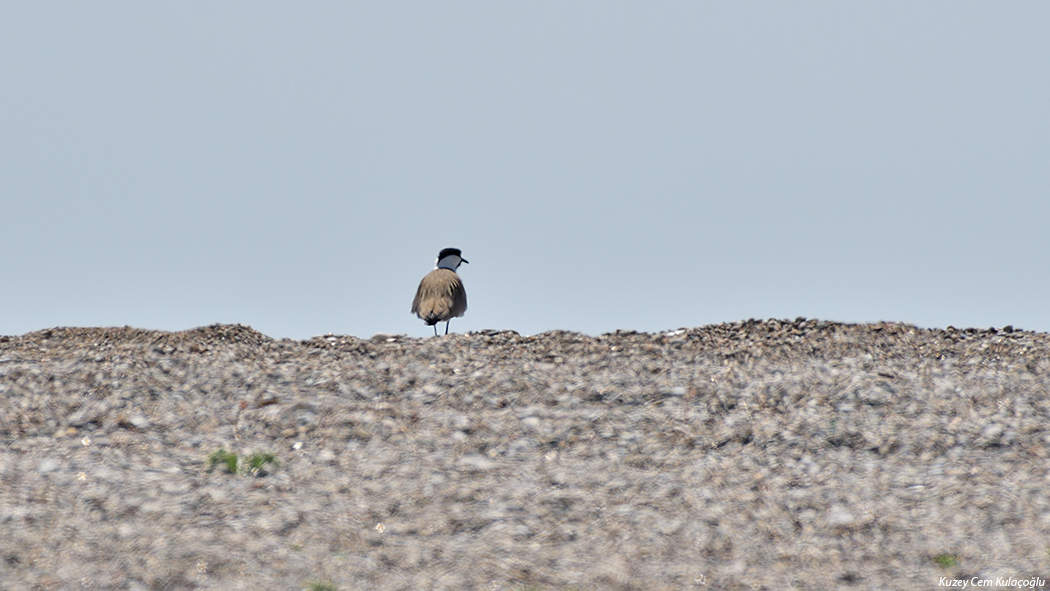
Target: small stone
{"type": "Point", "coordinates": [521, 532]}
{"type": "Point", "coordinates": [531, 423]}
{"type": "Point", "coordinates": [139, 421]}
{"type": "Point", "coordinates": [48, 465]}
{"type": "Point", "coordinates": [840, 517]}
{"type": "Point", "coordinates": [992, 433]}
{"type": "Point", "coordinates": [476, 463]}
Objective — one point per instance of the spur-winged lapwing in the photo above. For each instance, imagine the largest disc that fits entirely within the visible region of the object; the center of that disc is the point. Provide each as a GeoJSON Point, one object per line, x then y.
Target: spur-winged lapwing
{"type": "Point", "coordinates": [441, 296]}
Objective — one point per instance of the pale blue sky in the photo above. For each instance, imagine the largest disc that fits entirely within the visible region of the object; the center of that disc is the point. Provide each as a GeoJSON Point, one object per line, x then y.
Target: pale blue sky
{"type": "Point", "coordinates": [297, 166]}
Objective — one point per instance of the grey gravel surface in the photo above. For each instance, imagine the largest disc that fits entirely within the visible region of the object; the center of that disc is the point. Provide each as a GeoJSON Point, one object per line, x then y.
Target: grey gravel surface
{"type": "Point", "coordinates": [753, 455]}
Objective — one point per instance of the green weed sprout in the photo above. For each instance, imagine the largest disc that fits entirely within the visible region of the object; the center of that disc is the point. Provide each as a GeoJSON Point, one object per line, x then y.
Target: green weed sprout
{"type": "Point", "coordinates": [946, 560]}
{"type": "Point", "coordinates": [256, 465]}
{"type": "Point", "coordinates": [227, 459]}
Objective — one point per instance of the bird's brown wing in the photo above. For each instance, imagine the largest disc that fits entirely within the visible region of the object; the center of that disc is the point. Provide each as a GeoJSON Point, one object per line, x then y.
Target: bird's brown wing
{"type": "Point", "coordinates": [440, 296]}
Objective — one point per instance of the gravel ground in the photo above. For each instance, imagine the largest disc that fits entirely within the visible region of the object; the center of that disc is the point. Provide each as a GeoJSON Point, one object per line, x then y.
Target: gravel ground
{"type": "Point", "coordinates": [753, 455]}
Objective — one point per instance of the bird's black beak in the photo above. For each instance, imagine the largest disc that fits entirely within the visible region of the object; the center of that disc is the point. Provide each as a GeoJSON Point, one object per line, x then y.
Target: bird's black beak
{"type": "Point", "coordinates": [464, 260]}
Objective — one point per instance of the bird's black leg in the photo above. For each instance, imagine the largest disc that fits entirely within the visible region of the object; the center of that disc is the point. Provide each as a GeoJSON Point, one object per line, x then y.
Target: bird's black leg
{"type": "Point", "coordinates": [447, 322]}
{"type": "Point", "coordinates": [435, 329]}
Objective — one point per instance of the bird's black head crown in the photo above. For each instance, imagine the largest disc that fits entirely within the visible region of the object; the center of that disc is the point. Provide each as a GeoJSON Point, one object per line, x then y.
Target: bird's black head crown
{"type": "Point", "coordinates": [449, 252]}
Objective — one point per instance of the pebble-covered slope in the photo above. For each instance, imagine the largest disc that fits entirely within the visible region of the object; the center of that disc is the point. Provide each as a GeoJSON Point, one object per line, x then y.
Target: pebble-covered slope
{"type": "Point", "coordinates": [753, 455]}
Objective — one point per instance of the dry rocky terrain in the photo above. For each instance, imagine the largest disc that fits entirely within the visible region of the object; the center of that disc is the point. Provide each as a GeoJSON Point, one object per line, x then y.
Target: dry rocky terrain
{"type": "Point", "coordinates": [753, 455]}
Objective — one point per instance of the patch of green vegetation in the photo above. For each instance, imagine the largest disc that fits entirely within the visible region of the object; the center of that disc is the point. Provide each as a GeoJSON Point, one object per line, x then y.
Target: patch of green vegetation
{"type": "Point", "coordinates": [946, 560]}
{"type": "Point", "coordinates": [256, 465]}
{"type": "Point", "coordinates": [320, 586]}
{"type": "Point", "coordinates": [225, 458]}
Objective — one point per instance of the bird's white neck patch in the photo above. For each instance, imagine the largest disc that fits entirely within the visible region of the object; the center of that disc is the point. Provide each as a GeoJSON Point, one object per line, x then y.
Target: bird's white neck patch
{"type": "Point", "coordinates": [450, 262]}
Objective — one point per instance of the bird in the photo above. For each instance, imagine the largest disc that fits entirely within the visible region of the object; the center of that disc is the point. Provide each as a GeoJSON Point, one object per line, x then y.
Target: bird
{"type": "Point", "coordinates": [440, 296]}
